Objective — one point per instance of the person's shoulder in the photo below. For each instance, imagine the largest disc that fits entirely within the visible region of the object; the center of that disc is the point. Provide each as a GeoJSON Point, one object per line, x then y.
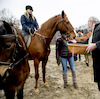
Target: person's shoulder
{"type": "Point", "coordinates": [23, 16]}
{"type": "Point", "coordinates": [97, 27]}
{"type": "Point", "coordinates": [34, 18]}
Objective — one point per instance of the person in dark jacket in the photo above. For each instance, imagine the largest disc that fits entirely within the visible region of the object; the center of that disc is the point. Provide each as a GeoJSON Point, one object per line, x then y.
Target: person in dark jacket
{"type": "Point", "coordinates": [94, 47]}
{"type": "Point", "coordinates": [63, 55]}
{"type": "Point", "coordinates": [28, 22]}
{"type": "Point", "coordinates": [79, 34]}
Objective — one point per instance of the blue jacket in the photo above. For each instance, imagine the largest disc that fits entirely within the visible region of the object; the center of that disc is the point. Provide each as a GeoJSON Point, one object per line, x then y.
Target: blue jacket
{"type": "Point", "coordinates": [28, 23]}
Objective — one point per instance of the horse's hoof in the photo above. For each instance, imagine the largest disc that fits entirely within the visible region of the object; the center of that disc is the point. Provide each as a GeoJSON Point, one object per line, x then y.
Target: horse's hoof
{"type": "Point", "coordinates": [46, 84]}
{"type": "Point", "coordinates": [36, 90]}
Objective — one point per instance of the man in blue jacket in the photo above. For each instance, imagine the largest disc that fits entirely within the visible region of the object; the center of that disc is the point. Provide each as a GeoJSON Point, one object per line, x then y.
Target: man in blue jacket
{"type": "Point", "coordinates": [28, 22]}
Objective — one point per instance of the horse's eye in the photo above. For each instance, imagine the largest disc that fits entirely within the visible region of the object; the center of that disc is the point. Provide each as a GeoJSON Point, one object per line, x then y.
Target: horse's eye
{"type": "Point", "coordinates": [7, 45]}
{"type": "Point", "coordinates": [67, 22]}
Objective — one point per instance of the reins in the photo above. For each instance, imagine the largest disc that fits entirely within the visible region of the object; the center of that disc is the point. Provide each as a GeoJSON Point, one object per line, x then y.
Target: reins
{"type": "Point", "coordinates": [44, 38]}
{"type": "Point", "coordinates": [13, 63]}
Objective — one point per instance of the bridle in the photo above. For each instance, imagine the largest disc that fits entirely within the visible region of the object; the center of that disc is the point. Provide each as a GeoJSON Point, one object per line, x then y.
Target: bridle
{"type": "Point", "coordinates": [63, 21]}
{"type": "Point", "coordinates": [15, 52]}
{"type": "Point", "coordinates": [13, 62]}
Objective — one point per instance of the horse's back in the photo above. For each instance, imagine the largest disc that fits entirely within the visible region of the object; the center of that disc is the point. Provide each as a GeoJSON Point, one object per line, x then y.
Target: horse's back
{"type": "Point", "coordinates": [37, 47]}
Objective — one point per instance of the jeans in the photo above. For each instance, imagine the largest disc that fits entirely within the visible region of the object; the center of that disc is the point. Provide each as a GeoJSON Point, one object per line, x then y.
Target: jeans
{"type": "Point", "coordinates": [64, 64]}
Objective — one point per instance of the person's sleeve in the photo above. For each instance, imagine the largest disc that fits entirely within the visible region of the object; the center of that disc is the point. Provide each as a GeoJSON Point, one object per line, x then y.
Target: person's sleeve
{"type": "Point", "coordinates": [98, 44]}
{"type": "Point", "coordinates": [57, 49]}
{"type": "Point", "coordinates": [23, 22]}
{"type": "Point", "coordinates": [83, 42]}
{"type": "Point", "coordinates": [36, 24]}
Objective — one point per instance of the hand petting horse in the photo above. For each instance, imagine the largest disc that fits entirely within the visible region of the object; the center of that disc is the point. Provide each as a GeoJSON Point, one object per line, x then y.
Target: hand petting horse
{"type": "Point", "coordinates": [39, 48]}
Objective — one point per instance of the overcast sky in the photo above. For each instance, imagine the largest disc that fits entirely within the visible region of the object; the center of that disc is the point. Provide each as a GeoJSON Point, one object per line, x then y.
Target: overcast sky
{"type": "Point", "coordinates": [78, 11]}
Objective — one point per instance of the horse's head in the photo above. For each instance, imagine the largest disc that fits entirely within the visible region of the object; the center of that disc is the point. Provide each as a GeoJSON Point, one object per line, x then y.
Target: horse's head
{"type": "Point", "coordinates": [6, 42]}
{"type": "Point", "coordinates": [9, 41]}
{"type": "Point", "coordinates": [4, 29]}
{"type": "Point", "coordinates": [64, 26]}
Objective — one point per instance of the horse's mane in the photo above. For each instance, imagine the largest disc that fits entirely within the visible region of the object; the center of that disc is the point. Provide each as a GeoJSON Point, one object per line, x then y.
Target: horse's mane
{"type": "Point", "coordinates": [8, 26]}
{"type": "Point", "coordinates": [50, 22]}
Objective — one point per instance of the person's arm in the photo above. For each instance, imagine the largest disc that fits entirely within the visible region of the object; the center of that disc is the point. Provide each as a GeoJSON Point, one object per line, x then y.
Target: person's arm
{"type": "Point", "coordinates": [57, 51]}
{"type": "Point", "coordinates": [98, 45]}
{"type": "Point", "coordinates": [80, 42]}
{"type": "Point", "coordinates": [23, 22]}
{"type": "Point", "coordinates": [91, 47]}
{"type": "Point", "coordinates": [36, 24]}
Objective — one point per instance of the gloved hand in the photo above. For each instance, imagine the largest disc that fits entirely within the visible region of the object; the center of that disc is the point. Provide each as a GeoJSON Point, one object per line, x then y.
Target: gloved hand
{"type": "Point", "coordinates": [31, 31]}
{"type": "Point", "coordinates": [58, 62]}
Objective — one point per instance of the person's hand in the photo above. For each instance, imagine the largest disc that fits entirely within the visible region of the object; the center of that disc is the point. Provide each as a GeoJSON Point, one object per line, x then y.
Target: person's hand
{"type": "Point", "coordinates": [91, 47]}
{"type": "Point", "coordinates": [31, 31]}
{"type": "Point", "coordinates": [73, 41]}
{"type": "Point", "coordinates": [58, 62]}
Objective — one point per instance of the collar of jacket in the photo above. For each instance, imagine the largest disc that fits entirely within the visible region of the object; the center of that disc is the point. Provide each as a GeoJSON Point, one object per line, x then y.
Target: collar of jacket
{"type": "Point", "coordinates": [27, 15]}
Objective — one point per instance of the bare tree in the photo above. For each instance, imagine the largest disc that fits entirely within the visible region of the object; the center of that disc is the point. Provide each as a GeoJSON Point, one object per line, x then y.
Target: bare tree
{"type": "Point", "coordinates": [6, 15]}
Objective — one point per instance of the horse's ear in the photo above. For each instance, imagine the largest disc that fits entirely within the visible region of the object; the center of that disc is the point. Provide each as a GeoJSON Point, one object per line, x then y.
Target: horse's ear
{"type": "Point", "coordinates": [62, 14]}
{"type": "Point", "coordinates": [7, 27]}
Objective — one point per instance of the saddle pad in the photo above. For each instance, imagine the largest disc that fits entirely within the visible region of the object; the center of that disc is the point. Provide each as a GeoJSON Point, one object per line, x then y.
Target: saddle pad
{"type": "Point", "coordinates": [29, 41]}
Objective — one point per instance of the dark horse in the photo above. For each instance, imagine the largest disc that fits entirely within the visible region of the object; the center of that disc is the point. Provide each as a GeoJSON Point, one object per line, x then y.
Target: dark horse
{"type": "Point", "coordinates": [14, 67]}
{"type": "Point", "coordinates": [39, 48]}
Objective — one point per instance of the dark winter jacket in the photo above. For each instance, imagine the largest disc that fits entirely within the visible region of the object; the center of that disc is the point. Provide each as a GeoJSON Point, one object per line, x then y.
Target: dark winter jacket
{"type": "Point", "coordinates": [96, 53]}
{"type": "Point", "coordinates": [62, 49]}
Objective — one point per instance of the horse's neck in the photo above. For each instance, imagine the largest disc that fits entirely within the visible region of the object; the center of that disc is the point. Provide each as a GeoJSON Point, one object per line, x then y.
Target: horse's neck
{"type": "Point", "coordinates": [48, 29]}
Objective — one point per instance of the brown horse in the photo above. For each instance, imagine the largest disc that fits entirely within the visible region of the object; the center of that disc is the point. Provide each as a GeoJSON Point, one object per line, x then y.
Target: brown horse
{"type": "Point", "coordinates": [83, 38]}
{"type": "Point", "coordinates": [14, 67]}
{"type": "Point", "coordinates": [40, 45]}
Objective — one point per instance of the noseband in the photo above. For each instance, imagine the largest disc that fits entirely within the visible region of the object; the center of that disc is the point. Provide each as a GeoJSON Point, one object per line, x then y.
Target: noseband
{"type": "Point", "coordinates": [67, 30]}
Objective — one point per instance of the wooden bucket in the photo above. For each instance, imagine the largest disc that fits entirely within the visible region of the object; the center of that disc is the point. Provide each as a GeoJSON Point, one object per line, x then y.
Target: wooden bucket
{"type": "Point", "coordinates": [77, 48]}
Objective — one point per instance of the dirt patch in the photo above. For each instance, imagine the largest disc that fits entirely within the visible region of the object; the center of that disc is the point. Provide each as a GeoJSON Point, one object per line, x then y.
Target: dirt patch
{"type": "Point", "coordinates": [87, 88]}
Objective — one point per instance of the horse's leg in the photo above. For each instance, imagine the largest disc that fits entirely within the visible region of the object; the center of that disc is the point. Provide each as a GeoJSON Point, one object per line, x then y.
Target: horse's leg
{"type": "Point", "coordinates": [9, 94]}
{"type": "Point", "coordinates": [87, 60]}
{"type": "Point", "coordinates": [20, 94]}
{"type": "Point", "coordinates": [36, 66]}
{"type": "Point", "coordinates": [44, 61]}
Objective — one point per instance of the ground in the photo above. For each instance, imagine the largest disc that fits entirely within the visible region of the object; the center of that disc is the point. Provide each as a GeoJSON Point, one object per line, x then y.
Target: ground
{"type": "Point", "coordinates": [87, 89]}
